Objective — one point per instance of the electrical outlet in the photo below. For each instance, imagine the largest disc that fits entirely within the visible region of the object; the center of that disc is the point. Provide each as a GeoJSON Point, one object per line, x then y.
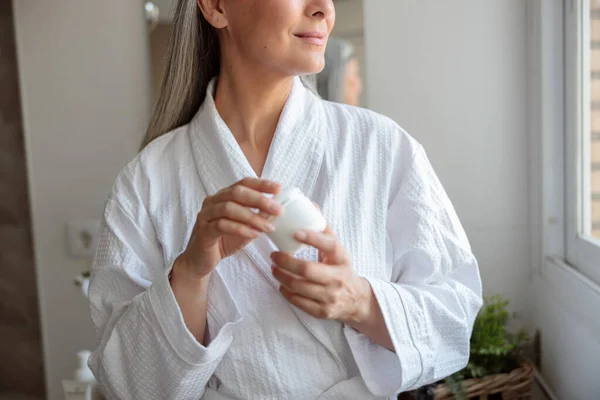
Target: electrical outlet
{"type": "Point", "coordinates": [82, 238]}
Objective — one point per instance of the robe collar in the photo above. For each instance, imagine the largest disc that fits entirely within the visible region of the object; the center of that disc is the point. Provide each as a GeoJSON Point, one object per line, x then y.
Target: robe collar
{"type": "Point", "coordinates": [295, 154]}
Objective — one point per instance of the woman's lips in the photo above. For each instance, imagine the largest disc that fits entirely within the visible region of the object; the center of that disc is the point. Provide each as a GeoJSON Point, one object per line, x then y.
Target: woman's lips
{"type": "Point", "coordinates": [316, 38]}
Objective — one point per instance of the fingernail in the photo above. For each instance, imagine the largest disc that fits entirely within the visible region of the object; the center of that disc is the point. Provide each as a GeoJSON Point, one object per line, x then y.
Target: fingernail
{"type": "Point", "coordinates": [269, 227]}
{"type": "Point", "coordinates": [301, 235]}
{"type": "Point", "coordinates": [274, 206]}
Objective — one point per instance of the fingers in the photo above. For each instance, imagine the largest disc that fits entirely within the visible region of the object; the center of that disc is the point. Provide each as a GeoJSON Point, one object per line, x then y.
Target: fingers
{"type": "Point", "coordinates": [236, 204]}
{"type": "Point", "coordinates": [248, 197]}
{"type": "Point", "coordinates": [260, 185]}
{"type": "Point", "coordinates": [318, 273]}
{"type": "Point", "coordinates": [307, 305]}
{"type": "Point", "coordinates": [300, 286]}
{"type": "Point", "coordinates": [224, 226]}
{"type": "Point", "coordinates": [238, 213]}
{"type": "Point", "coordinates": [325, 242]}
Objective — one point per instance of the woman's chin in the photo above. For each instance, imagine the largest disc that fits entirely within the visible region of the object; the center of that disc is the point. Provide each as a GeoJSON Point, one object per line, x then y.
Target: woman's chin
{"type": "Point", "coordinates": [310, 65]}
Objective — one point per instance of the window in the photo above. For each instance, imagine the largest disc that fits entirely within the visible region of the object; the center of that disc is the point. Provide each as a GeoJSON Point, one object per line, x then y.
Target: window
{"type": "Point", "coordinates": [594, 131]}
{"type": "Point", "coordinates": [582, 144]}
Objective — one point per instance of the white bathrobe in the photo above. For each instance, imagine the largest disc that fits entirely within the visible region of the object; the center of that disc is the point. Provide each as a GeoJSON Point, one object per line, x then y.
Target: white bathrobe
{"type": "Point", "coordinates": [379, 193]}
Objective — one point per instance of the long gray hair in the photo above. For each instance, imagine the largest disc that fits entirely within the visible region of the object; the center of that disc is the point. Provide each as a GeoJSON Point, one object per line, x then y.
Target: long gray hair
{"type": "Point", "coordinates": [193, 59]}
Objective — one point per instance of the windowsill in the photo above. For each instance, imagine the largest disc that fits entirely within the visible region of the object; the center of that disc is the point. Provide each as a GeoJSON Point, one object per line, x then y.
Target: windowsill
{"type": "Point", "coordinates": [571, 273]}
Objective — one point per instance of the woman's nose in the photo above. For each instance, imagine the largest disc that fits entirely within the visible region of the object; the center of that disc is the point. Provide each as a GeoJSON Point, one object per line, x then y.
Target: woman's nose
{"type": "Point", "coordinates": [320, 8]}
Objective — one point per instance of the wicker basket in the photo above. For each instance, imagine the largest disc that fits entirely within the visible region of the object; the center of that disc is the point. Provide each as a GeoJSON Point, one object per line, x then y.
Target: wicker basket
{"type": "Point", "coordinates": [514, 385]}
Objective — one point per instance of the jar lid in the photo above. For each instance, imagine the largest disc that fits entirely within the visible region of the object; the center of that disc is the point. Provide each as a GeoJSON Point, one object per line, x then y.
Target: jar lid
{"type": "Point", "coordinates": [288, 194]}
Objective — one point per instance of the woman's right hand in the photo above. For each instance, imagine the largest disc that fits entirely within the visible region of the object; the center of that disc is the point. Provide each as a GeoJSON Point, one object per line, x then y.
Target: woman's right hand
{"type": "Point", "coordinates": [227, 223]}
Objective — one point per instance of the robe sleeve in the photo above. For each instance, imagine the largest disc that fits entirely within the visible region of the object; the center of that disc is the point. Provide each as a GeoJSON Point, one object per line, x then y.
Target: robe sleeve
{"type": "Point", "coordinates": [144, 349]}
{"type": "Point", "coordinates": [431, 301]}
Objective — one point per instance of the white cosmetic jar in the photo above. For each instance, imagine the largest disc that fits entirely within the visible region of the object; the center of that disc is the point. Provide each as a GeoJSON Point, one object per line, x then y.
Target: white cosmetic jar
{"type": "Point", "coordinates": [298, 212]}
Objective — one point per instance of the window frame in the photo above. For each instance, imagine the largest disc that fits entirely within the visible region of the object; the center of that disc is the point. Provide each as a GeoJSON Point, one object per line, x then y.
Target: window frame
{"type": "Point", "coordinates": [582, 251]}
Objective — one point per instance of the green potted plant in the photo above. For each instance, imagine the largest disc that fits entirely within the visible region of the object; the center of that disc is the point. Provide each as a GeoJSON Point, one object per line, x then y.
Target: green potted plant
{"type": "Point", "coordinates": [497, 367]}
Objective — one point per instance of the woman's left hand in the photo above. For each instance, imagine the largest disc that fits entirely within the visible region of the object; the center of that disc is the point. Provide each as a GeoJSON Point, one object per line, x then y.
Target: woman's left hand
{"type": "Point", "coordinates": [329, 289]}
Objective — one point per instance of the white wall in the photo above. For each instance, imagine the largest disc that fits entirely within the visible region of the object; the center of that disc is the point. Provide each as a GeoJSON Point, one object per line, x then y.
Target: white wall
{"type": "Point", "coordinates": [85, 102]}
{"type": "Point", "coordinates": [454, 75]}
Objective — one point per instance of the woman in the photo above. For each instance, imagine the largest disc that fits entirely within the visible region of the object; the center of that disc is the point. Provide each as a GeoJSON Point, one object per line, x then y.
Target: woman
{"type": "Point", "coordinates": [188, 295]}
{"type": "Point", "coordinates": [340, 81]}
